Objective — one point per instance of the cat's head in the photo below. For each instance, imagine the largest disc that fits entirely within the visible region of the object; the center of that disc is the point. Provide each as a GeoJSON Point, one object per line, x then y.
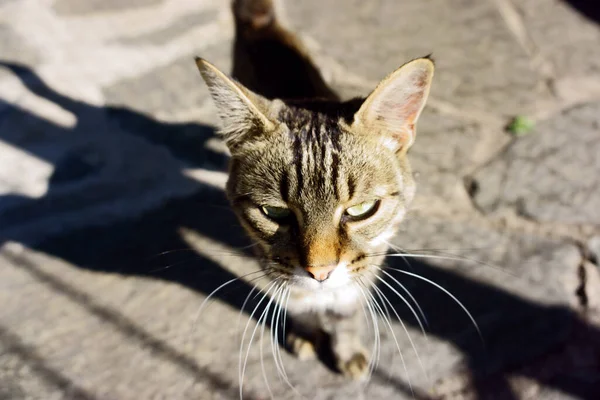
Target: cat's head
{"type": "Point", "coordinates": [321, 186]}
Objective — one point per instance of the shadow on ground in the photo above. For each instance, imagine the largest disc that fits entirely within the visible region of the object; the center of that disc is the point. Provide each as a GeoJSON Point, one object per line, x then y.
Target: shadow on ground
{"type": "Point", "coordinates": [587, 8]}
{"type": "Point", "coordinates": [127, 247]}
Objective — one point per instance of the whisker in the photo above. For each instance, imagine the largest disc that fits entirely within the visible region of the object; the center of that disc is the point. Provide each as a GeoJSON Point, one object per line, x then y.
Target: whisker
{"type": "Point", "coordinates": [237, 325]}
{"type": "Point", "coordinates": [406, 301]}
{"type": "Point", "coordinates": [443, 256]}
{"type": "Point", "coordinates": [261, 322]}
{"type": "Point", "coordinates": [443, 249]}
{"type": "Point", "coordinates": [376, 342]}
{"type": "Point", "coordinates": [447, 293]}
{"type": "Point", "coordinates": [383, 297]}
{"type": "Point", "coordinates": [254, 244]}
{"type": "Point", "coordinates": [444, 252]}
{"type": "Point", "coordinates": [263, 318]}
{"type": "Point", "coordinates": [198, 257]}
{"type": "Point", "coordinates": [369, 324]}
{"type": "Point", "coordinates": [285, 313]}
{"type": "Point", "coordinates": [387, 313]}
{"type": "Point", "coordinates": [387, 321]}
{"type": "Point", "coordinates": [286, 294]}
{"type": "Point", "coordinates": [205, 302]}
{"type": "Point", "coordinates": [241, 369]}
{"type": "Point", "coordinates": [397, 248]}
{"type": "Point", "coordinates": [457, 258]}
{"type": "Point", "coordinates": [169, 252]}
{"type": "Point", "coordinates": [385, 308]}
{"type": "Point", "coordinates": [204, 250]}
{"type": "Point", "coordinates": [275, 332]}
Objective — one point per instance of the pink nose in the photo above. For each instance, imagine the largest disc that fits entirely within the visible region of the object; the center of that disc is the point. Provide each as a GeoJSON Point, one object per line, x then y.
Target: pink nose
{"type": "Point", "coordinates": [320, 273]}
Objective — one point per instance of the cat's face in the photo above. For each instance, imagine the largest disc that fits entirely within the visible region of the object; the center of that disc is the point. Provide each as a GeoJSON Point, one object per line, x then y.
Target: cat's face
{"type": "Point", "coordinates": [321, 187]}
{"type": "Point", "coordinates": [320, 200]}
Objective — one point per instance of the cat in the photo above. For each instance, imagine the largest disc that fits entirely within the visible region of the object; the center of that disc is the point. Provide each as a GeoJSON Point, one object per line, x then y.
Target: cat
{"type": "Point", "coordinates": [318, 183]}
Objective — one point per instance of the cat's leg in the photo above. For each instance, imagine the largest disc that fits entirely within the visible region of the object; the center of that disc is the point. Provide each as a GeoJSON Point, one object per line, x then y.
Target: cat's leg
{"type": "Point", "coordinates": [351, 357]}
{"type": "Point", "coordinates": [304, 336]}
{"type": "Point", "coordinates": [303, 348]}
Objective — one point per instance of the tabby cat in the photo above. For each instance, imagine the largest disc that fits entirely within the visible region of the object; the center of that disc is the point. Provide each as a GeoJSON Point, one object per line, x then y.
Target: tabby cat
{"type": "Point", "coordinates": [319, 184]}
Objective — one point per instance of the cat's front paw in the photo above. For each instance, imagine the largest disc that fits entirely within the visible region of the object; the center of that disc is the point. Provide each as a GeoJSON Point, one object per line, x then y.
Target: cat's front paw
{"type": "Point", "coordinates": [301, 347]}
{"type": "Point", "coordinates": [355, 367]}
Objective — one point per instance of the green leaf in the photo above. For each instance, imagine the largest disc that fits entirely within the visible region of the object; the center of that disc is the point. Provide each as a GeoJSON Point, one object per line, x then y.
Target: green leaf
{"type": "Point", "coordinates": [520, 125]}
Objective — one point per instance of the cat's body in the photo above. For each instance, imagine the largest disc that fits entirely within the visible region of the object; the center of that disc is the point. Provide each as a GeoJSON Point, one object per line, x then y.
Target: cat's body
{"type": "Point", "coordinates": [261, 43]}
{"type": "Point", "coordinates": [319, 184]}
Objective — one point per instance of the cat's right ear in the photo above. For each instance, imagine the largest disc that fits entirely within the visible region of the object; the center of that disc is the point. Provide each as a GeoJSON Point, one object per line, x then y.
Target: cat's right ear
{"type": "Point", "coordinates": [243, 114]}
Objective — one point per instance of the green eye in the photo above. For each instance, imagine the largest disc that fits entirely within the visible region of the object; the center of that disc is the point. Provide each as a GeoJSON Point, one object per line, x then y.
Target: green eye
{"type": "Point", "coordinates": [362, 210]}
{"type": "Point", "coordinates": [276, 212]}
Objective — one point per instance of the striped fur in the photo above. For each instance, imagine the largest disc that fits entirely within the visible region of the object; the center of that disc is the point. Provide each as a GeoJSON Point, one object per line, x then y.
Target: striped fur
{"type": "Point", "coordinates": [316, 157]}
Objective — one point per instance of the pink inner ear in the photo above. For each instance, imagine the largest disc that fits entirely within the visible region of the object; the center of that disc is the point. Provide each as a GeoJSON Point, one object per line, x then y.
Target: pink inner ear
{"type": "Point", "coordinates": [401, 112]}
{"type": "Point", "coordinates": [399, 116]}
{"type": "Point", "coordinates": [394, 107]}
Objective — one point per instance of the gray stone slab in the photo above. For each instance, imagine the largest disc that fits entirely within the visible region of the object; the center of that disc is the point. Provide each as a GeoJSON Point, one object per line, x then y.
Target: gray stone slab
{"type": "Point", "coordinates": [519, 289]}
{"type": "Point", "coordinates": [594, 248]}
{"type": "Point", "coordinates": [550, 174]}
{"type": "Point", "coordinates": [173, 88]}
{"type": "Point", "coordinates": [479, 63]}
{"type": "Point", "coordinates": [140, 312]}
{"type": "Point", "coordinates": [94, 163]}
{"type": "Point", "coordinates": [445, 150]}
{"type": "Point", "coordinates": [518, 296]}
{"type": "Point", "coordinates": [15, 49]}
{"type": "Point", "coordinates": [103, 304]}
{"type": "Point", "coordinates": [566, 33]}
{"type": "Point", "coordinates": [71, 8]}
{"type": "Point", "coordinates": [178, 27]}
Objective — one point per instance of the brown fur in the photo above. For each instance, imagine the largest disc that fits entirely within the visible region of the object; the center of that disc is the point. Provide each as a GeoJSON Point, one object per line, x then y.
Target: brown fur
{"type": "Point", "coordinates": [315, 157]}
{"type": "Point", "coordinates": [262, 43]}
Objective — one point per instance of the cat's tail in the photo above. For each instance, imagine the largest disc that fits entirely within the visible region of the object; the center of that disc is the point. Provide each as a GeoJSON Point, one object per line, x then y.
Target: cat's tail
{"type": "Point", "coordinates": [270, 59]}
{"type": "Point", "coordinates": [254, 14]}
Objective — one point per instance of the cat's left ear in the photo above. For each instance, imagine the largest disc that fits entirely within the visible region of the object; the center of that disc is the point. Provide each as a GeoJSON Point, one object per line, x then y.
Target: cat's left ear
{"type": "Point", "coordinates": [393, 108]}
{"type": "Point", "coordinates": [243, 113]}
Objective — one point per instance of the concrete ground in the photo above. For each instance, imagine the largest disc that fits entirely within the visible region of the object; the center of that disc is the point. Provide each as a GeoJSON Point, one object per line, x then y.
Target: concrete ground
{"type": "Point", "coordinates": [114, 227]}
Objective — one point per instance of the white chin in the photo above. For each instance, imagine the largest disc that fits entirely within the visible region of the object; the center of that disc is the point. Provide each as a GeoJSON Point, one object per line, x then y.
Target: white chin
{"type": "Point", "coordinates": [307, 283]}
{"type": "Point", "coordinates": [333, 294]}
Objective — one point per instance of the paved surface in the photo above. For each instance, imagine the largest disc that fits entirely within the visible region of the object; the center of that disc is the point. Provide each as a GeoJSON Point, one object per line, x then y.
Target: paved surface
{"type": "Point", "coordinates": [114, 228]}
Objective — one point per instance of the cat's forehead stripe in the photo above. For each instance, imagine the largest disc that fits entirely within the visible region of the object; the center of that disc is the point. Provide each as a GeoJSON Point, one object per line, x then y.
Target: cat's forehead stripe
{"type": "Point", "coordinates": [316, 149]}
{"type": "Point", "coordinates": [284, 186]}
{"type": "Point", "coordinates": [298, 154]}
